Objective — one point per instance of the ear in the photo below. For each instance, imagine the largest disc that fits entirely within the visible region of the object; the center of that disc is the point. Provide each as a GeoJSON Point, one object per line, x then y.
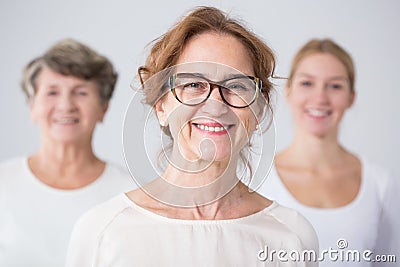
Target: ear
{"type": "Point", "coordinates": [161, 113]}
{"type": "Point", "coordinates": [31, 103]}
{"type": "Point", "coordinates": [260, 113]}
{"type": "Point", "coordinates": [287, 89]}
{"type": "Point", "coordinates": [103, 111]}
{"type": "Point", "coordinates": [352, 99]}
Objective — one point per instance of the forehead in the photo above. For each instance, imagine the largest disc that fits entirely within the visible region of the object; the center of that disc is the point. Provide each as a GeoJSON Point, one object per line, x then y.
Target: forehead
{"type": "Point", "coordinates": [321, 64]}
{"type": "Point", "coordinates": [211, 70]}
{"type": "Point", "coordinates": [49, 77]}
{"type": "Point", "coordinates": [223, 49]}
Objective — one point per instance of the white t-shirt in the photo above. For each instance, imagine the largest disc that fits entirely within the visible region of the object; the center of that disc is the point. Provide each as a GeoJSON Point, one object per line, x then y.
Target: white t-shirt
{"type": "Point", "coordinates": [36, 220]}
{"type": "Point", "coordinates": [120, 233]}
{"type": "Point", "coordinates": [359, 225]}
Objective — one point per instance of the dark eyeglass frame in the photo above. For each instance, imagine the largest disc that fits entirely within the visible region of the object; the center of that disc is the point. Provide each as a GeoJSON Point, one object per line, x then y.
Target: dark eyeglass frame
{"type": "Point", "coordinates": [213, 85]}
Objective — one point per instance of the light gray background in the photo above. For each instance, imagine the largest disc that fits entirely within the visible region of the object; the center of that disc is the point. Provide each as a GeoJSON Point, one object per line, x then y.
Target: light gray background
{"type": "Point", "coordinates": [369, 30]}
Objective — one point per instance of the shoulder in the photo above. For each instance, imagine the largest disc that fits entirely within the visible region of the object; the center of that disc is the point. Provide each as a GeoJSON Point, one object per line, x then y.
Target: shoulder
{"type": "Point", "coordinates": [87, 231]}
{"type": "Point", "coordinates": [379, 177]}
{"type": "Point", "coordinates": [291, 218]}
{"type": "Point", "coordinates": [296, 224]}
{"type": "Point", "coordinates": [388, 186]}
{"type": "Point", "coordinates": [373, 169]}
{"type": "Point", "coordinates": [118, 176]}
{"type": "Point", "coordinates": [98, 217]}
{"type": "Point", "coordinates": [271, 186]}
{"type": "Point", "coordinates": [11, 165]}
{"type": "Point", "coordinates": [115, 169]}
{"type": "Point", "coordinates": [12, 168]}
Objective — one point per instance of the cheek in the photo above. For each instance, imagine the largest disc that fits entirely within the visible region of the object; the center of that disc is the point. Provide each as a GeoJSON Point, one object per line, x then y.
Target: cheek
{"type": "Point", "coordinates": [296, 103]}
{"type": "Point", "coordinates": [175, 125]}
{"type": "Point", "coordinates": [248, 121]}
{"type": "Point", "coordinates": [164, 108]}
{"type": "Point", "coordinates": [178, 118]}
{"type": "Point", "coordinates": [342, 101]}
{"type": "Point", "coordinates": [92, 109]}
{"type": "Point", "coordinates": [296, 98]}
{"type": "Point", "coordinates": [39, 110]}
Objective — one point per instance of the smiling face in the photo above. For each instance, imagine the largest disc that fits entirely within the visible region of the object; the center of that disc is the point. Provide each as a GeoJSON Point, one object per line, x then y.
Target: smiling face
{"type": "Point", "coordinates": [211, 130]}
{"type": "Point", "coordinates": [66, 108]}
{"type": "Point", "coordinates": [319, 94]}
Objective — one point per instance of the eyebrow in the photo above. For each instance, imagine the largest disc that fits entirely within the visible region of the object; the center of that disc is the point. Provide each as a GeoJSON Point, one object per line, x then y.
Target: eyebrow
{"type": "Point", "coordinates": [330, 78]}
{"type": "Point", "coordinates": [80, 86]}
{"type": "Point", "coordinates": [201, 75]}
{"type": "Point", "coordinates": [57, 86]}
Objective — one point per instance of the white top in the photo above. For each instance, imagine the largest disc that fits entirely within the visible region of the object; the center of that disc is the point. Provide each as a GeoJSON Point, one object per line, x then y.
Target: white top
{"type": "Point", "coordinates": [359, 225]}
{"type": "Point", "coordinates": [120, 233]}
{"type": "Point", "coordinates": [36, 220]}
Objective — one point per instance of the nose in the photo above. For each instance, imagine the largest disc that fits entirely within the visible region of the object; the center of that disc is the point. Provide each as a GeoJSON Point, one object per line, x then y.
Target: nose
{"type": "Point", "coordinates": [321, 94]}
{"type": "Point", "coordinates": [214, 105]}
{"type": "Point", "coordinates": [66, 103]}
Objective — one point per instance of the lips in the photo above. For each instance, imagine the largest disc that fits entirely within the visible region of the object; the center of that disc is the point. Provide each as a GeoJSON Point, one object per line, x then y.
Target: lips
{"type": "Point", "coordinates": [318, 113]}
{"type": "Point", "coordinates": [66, 120]}
{"type": "Point", "coordinates": [212, 127]}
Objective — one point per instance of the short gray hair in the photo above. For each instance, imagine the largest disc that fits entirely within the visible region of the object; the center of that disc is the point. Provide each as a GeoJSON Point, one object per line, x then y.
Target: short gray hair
{"type": "Point", "coordinates": [72, 58]}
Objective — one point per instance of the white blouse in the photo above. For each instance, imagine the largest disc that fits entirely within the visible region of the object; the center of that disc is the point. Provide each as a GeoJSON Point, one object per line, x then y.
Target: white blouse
{"type": "Point", "coordinates": [121, 233]}
{"type": "Point", "coordinates": [369, 223]}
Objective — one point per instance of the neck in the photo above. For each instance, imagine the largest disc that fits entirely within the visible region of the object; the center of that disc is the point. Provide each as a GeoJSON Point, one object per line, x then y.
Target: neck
{"type": "Point", "coordinates": [230, 205]}
{"type": "Point", "coordinates": [222, 208]}
{"type": "Point", "coordinates": [198, 172]}
{"type": "Point", "coordinates": [181, 187]}
{"type": "Point", "coordinates": [314, 151]}
{"type": "Point", "coordinates": [64, 159]}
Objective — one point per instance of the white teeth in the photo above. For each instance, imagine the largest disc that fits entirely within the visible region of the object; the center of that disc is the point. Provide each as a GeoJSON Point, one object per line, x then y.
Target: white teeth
{"type": "Point", "coordinates": [211, 129]}
{"type": "Point", "coordinates": [66, 120]}
{"type": "Point", "coordinates": [318, 113]}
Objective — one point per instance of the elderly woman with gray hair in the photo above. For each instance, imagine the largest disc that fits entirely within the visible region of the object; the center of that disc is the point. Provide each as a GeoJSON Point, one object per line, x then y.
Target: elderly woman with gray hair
{"type": "Point", "coordinates": [68, 91]}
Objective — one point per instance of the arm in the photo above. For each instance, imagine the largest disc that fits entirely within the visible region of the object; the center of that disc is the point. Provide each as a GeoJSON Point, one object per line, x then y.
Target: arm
{"type": "Point", "coordinates": [388, 238]}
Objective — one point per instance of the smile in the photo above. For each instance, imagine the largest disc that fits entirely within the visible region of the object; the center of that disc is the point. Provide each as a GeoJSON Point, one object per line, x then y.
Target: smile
{"type": "Point", "coordinates": [212, 129]}
{"type": "Point", "coordinates": [318, 113]}
{"type": "Point", "coordinates": [66, 120]}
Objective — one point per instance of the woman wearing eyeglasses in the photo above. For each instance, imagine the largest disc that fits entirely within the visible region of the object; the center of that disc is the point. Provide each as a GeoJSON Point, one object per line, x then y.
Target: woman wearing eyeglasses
{"type": "Point", "coordinates": [207, 79]}
{"type": "Point", "coordinates": [351, 202]}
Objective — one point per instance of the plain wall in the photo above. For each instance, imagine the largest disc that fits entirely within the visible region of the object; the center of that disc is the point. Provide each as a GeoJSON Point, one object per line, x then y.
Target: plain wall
{"type": "Point", "coordinates": [369, 30]}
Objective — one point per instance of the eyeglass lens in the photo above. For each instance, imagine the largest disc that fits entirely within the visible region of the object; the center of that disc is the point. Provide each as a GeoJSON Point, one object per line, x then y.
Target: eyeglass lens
{"type": "Point", "coordinates": [191, 89]}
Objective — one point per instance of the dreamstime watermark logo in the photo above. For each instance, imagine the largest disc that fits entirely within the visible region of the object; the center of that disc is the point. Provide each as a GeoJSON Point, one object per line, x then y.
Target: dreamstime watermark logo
{"type": "Point", "coordinates": [339, 254]}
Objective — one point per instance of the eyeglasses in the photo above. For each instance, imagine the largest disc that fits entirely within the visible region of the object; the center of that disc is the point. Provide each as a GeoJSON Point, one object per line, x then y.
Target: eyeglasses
{"type": "Point", "coordinates": [238, 91]}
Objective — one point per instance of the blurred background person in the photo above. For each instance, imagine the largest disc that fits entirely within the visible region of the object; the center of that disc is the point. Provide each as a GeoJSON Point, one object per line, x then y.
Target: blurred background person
{"type": "Point", "coordinates": [347, 199]}
{"type": "Point", "coordinates": [41, 196]}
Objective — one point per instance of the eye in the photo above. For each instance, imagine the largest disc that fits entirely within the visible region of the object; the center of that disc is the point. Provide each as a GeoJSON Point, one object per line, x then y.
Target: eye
{"type": "Point", "coordinates": [237, 86]}
{"type": "Point", "coordinates": [335, 86]}
{"type": "Point", "coordinates": [306, 83]}
{"type": "Point", "coordinates": [51, 93]}
{"type": "Point", "coordinates": [240, 85]}
{"type": "Point", "coordinates": [82, 93]}
{"type": "Point", "coordinates": [195, 86]}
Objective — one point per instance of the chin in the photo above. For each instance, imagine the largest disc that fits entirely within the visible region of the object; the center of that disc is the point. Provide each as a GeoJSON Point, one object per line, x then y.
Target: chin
{"type": "Point", "coordinates": [67, 139]}
{"type": "Point", "coordinates": [319, 129]}
{"type": "Point", "coordinates": [321, 133]}
{"type": "Point", "coordinates": [216, 153]}
{"type": "Point", "coordinates": [223, 158]}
